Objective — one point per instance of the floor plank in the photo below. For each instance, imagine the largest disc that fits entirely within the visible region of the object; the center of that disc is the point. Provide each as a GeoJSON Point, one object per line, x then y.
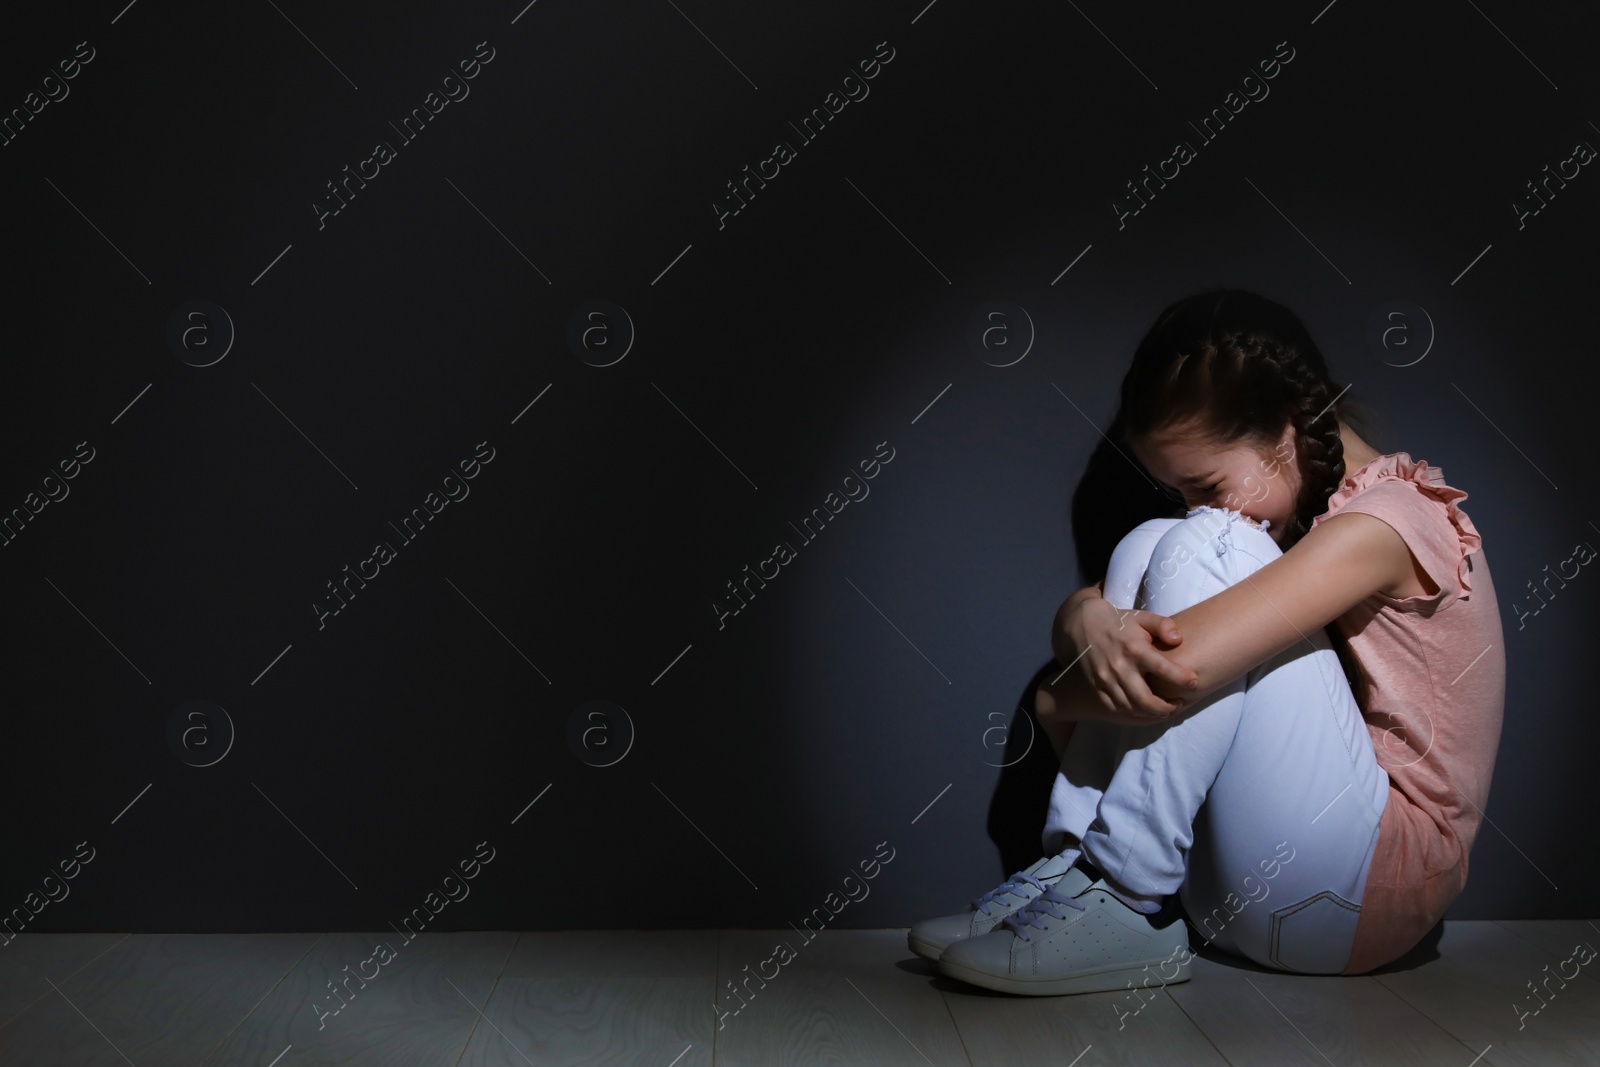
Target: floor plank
{"type": "Point", "coordinates": [1478, 988]}
{"type": "Point", "coordinates": [153, 998]}
{"type": "Point", "coordinates": [415, 1010]}
{"type": "Point", "coordinates": [1258, 1016]}
{"type": "Point", "coordinates": [27, 958]}
{"type": "Point", "coordinates": [1542, 1054]}
{"type": "Point", "coordinates": [602, 998]}
{"type": "Point", "coordinates": [1085, 1029]}
{"type": "Point", "coordinates": [841, 997]}
{"type": "Point", "coordinates": [1560, 938]}
{"type": "Point", "coordinates": [595, 1022]}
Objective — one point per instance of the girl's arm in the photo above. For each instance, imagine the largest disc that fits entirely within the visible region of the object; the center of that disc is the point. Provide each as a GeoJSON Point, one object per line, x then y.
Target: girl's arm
{"type": "Point", "coordinates": [1066, 694]}
{"type": "Point", "coordinates": [1059, 643]}
{"type": "Point", "coordinates": [1334, 567]}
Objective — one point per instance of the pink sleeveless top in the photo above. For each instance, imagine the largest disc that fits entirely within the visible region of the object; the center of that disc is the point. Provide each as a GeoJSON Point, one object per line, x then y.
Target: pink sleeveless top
{"type": "Point", "coordinates": [1437, 669]}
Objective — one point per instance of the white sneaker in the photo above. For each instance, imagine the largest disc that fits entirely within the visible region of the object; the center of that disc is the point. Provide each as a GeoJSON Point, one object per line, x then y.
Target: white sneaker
{"type": "Point", "coordinates": [1075, 938]}
{"type": "Point", "coordinates": [930, 937]}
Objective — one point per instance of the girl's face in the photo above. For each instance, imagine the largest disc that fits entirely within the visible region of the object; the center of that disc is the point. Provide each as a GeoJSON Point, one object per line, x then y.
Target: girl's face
{"type": "Point", "coordinates": [1258, 481]}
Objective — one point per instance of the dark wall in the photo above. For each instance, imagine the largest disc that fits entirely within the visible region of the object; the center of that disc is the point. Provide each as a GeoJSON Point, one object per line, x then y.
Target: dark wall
{"type": "Point", "coordinates": [743, 368]}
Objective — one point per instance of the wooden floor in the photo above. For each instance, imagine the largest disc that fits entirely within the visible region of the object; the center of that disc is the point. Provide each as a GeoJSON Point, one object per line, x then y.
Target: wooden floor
{"type": "Point", "coordinates": [847, 997]}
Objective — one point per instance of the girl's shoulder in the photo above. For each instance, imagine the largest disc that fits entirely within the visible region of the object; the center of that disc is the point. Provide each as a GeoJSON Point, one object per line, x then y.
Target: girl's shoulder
{"type": "Point", "coordinates": [1413, 497]}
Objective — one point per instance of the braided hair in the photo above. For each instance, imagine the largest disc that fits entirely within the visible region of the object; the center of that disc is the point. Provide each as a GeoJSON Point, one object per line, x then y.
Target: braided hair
{"type": "Point", "coordinates": [1237, 367]}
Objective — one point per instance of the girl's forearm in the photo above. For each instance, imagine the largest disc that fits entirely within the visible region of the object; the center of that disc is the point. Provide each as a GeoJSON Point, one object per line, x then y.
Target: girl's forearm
{"type": "Point", "coordinates": [1065, 695]}
{"type": "Point", "coordinates": [1061, 643]}
{"type": "Point", "coordinates": [1059, 705]}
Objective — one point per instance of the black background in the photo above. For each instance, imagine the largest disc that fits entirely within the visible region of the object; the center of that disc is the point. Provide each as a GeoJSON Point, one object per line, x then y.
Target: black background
{"type": "Point", "coordinates": [772, 755]}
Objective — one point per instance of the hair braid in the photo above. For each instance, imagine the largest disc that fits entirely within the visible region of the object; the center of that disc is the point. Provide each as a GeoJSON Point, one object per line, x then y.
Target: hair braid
{"type": "Point", "coordinates": [1319, 449]}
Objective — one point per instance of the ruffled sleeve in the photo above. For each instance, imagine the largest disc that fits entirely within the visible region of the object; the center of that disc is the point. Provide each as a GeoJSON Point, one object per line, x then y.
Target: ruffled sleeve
{"type": "Point", "coordinates": [1413, 498]}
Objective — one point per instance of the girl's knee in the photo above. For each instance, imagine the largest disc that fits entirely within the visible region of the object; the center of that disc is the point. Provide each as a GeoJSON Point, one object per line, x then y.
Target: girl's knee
{"type": "Point", "coordinates": [1131, 557]}
{"type": "Point", "coordinates": [1203, 553]}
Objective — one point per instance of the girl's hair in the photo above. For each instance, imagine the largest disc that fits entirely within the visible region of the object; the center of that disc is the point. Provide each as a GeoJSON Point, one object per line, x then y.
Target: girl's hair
{"type": "Point", "coordinates": [1238, 366]}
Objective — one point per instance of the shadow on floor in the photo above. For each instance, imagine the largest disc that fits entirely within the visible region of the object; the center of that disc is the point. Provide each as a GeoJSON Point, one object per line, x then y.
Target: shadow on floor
{"type": "Point", "coordinates": [1424, 952]}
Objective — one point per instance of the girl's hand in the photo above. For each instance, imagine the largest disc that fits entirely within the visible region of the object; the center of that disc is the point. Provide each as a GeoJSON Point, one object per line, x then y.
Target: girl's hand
{"type": "Point", "coordinates": [1115, 650]}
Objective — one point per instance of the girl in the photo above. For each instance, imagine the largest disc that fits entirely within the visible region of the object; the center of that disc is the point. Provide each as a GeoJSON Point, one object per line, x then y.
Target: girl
{"type": "Point", "coordinates": [1294, 735]}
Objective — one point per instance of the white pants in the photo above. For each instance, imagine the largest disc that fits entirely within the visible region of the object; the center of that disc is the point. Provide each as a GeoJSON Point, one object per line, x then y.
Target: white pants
{"type": "Point", "coordinates": [1259, 804]}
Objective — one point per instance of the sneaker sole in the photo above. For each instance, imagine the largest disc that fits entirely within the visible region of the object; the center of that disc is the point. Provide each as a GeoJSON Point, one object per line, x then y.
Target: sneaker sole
{"type": "Point", "coordinates": [1097, 981]}
{"type": "Point", "coordinates": [928, 950]}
